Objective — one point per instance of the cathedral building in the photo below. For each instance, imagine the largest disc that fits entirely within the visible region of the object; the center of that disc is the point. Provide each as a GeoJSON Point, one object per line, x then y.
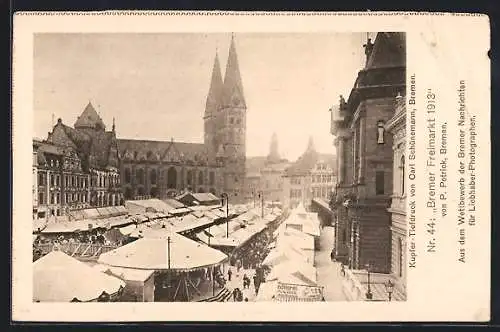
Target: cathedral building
{"type": "Point", "coordinates": [168, 168]}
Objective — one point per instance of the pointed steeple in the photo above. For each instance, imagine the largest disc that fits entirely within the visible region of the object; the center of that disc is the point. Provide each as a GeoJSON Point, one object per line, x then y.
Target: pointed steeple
{"type": "Point", "coordinates": [89, 119]}
{"type": "Point", "coordinates": [310, 145]}
{"type": "Point", "coordinates": [233, 87]}
{"type": "Point", "coordinates": [216, 87]}
{"type": "Point", "coordinates": [273, 150]}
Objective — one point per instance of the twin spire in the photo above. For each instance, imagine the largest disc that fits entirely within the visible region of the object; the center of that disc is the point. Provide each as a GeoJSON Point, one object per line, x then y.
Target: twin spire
{"type": "Point", "coordinates": [227, 93]}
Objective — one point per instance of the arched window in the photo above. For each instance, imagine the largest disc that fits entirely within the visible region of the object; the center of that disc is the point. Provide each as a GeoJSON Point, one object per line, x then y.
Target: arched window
{"type": "Point", "coordinates": [402, 171]}
{"type": "Point", "coordinates": [380, 132]}
{"type": "Point", "coordinates": [200, 178]}
{"type": "Point", "coordinates": [172, 178]}
{"type": "Point", "coordinates": [152, 177]}
{"type": "Point", "coordinates": [140, 191]}
{"type": "Point", "coordinates": [212, 178]}
{"type": "Point", "coordinates": [140, 176]}
{"type": "Point", "coordinates": [189, 177]}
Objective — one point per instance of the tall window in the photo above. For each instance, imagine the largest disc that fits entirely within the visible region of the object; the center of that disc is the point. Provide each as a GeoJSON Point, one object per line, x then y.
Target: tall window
{"type": "Point", "coordinates": [140, 176]}
{"type": "Point", "coordinates": [152, 177]}
{"type": "Point", "coordinates": [402, 171]}
{"type": "Point", "coordinates": [200, 178]}
{"type": "Point", "coordinates": [379, 183]}
{"type": "Point", "coordinates": [212, 178]}
{"type": "Point", "coordinates": [41, 179]}
{"type": "Point", "coordinates": [380, 132]}
{"type": "Point", "coordinates": [189, 177]}
{"type": "Point", "coordinates": [127, 175]}
{"type": "Point", "coordinates": [41, 198]}
{"type": "Point", "coordinates": [171, 178]}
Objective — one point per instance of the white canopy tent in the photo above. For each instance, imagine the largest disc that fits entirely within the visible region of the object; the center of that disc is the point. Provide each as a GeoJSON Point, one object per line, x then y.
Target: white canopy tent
{"type": "Point", "coordinates": [58, 277]}
{"type": "Point", "coordinates": [153, 254]}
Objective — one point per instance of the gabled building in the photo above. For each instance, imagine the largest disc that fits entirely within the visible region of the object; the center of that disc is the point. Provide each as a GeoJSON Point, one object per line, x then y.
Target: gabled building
{"type": "Point", "coordinates": [167, 169]}
{"type": "Point", "coordinates": [365, 156]}
{"type": "Point", "coordinates": [79, 167]}
{"type": "Point", "coordinates": [311, 176]}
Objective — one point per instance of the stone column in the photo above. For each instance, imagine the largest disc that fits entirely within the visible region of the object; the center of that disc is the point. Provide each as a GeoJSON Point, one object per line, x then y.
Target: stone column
{"type": "Point", "coordinates": [361, 175]}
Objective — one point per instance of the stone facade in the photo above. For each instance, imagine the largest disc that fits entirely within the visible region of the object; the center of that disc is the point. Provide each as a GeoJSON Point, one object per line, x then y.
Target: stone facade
{"type": "Point", "coordinates": [364, 149]}
{"type": "Point", "coordinates": [78, 167]}
{"type": "Point", "coordinates": [166, 169]}
{"type": "Point", "coordinates": [312, 176]}
{"type": "Point", "coordinates": [397, 127]}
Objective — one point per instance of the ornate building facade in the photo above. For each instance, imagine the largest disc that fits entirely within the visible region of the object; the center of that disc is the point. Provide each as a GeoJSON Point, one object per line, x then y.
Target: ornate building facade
{"type": "Point", "coordinates": [312, 176]}
{"type": "Point", "coordinates": [166, 169]}
{"type": "Point", "coordinates": [365, 156]}
{"type": "Point", "coordinates": [397, 127]}
{"type": "Point", "coordinates": [77, 167]}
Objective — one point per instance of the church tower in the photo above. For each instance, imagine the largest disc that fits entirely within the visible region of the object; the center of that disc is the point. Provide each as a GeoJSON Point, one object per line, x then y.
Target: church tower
{"type": "Point", "coordinates": [274, 155]}
{"type": "Point", "coordinates": [231, 126]}
{"type": "Point", "coordinates": [213, 105]}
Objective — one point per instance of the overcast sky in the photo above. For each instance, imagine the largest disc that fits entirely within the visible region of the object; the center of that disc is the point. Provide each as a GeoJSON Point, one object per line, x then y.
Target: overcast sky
{"type": "Point", "coordinates": [155, 85]}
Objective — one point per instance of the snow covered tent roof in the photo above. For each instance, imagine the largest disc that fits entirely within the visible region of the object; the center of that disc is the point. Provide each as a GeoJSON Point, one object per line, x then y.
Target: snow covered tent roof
{"type": "Point", "coordinates": [58, 277]}
{"type": "Point", "coordinates": [284, 254]}
{"type": "Point", "coordinates": [152, 254]}
{"type": "Point", "coordinates": [123, 273]}
{"type": "Point", "coordinates": [294, 272]}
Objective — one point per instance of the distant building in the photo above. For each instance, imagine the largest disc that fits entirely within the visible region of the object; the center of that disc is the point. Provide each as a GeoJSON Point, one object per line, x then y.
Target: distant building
{"type": "Point", "coordinates": [397, 127]}
{"type": "Point", "coordinates": [365, 151]}
{"type": "Point", "coordinates": [265, 175]}
{"type": "Point", "coordinates": [166, 169]}
{"type": "Point", "coordinates": [311, 176]}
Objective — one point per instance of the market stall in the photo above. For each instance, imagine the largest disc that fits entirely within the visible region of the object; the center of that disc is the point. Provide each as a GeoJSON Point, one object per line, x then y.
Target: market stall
{"type": "Point", "coordinates": [180, 263]}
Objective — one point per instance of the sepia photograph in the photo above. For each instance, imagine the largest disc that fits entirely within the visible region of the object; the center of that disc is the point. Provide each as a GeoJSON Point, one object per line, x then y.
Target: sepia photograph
{"type": "Point", "coordinates": [219, 167]}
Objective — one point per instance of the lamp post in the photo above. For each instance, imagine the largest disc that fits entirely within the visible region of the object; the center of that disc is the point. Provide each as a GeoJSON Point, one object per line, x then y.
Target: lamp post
{"type": "Point", "coordinates": [226, 198]}
{"type": "Point", "coordinates": [389, 287]}
{"type": "Point", "coordinates": [253, 193]}
{"type": "Point", "coordinates": [261, 196]}
{"type": "Point", "coordinates": [369, 294]}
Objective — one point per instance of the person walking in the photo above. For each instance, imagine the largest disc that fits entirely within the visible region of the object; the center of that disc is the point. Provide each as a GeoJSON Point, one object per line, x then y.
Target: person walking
{"type": "Point", "coordinates": [256, 283]}
{"type": "Point", "coordinates": [235, 294]}
{"type": "Point", "coordinates": [229, 274]}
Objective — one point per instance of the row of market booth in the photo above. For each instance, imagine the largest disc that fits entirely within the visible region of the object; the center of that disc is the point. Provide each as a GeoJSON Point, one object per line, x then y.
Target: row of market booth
{"type": "Point", "coordinates": [171, 253]}
{"type": "Point", "coordinates": [291, 274]}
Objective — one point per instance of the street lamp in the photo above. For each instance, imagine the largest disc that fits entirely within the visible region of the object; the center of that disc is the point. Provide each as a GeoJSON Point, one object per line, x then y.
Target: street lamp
{"type": "Point", "coordinates": [369, 294]}
{"type": "Point", "coordinates": [261, 196]}
{"type": "Point", "coordinates": [226, 198]}
{"type": "Point", "coordinates": [389, 287]}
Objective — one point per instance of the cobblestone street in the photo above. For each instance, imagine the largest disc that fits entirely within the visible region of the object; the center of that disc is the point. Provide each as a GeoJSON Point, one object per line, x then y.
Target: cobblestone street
{"type": "Point", "coordinates": [328, 272]}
